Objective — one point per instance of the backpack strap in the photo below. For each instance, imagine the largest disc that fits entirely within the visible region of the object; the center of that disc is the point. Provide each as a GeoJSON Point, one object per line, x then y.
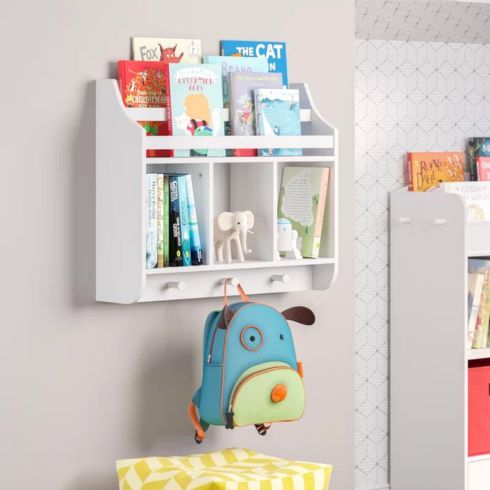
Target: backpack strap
{"type": "Point", "coordinates": [240, 290]}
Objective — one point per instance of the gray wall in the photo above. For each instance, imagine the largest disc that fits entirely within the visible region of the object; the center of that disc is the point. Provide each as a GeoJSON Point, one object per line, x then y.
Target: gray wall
{"type": "Point", "coordinates": [83, 384]}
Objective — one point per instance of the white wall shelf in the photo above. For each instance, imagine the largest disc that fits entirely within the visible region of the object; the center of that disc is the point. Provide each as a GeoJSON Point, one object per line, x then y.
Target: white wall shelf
{"type": "Point", "coordinates": [220, 184]}
{"type": "Point", "coordinates": [430, 245]}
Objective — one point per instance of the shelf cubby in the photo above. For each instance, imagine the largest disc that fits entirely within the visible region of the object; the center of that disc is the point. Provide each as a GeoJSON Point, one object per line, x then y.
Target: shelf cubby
{"type": "Point", "coordinates": [220, 184]}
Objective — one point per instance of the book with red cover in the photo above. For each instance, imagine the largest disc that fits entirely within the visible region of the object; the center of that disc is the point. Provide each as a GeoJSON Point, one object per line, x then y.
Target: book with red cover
{"type": "Point", "coordinates": [483, 168]}
{"type": "Point", "coordinates": [143, 84]}
{"type": "Point", "coordinates": [426, 170]}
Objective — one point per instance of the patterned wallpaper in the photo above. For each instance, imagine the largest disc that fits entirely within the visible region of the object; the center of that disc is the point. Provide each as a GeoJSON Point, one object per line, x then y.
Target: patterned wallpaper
{"type": "Point", "coordinates": [423, 20]}
{"type": "Point", "coordinates": [409, 96]}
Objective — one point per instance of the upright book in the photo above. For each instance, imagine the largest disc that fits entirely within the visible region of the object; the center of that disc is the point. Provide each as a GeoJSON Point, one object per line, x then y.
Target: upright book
{"type": "Point", "coordinates": [477, 155]}
{"type": "Point", "coordinates": [143, 84]}
{"type": "Point", "coordinates": [185, 235]}
{"type": "Point", "coordinates": [475, 288]}
{"type": "Point", "coordinates": [277, 113]}
{"type": "Point", "coordinates": [482, 266]}
{"type": "Point", "coordinates": [273, 51]}
{"type": "Point", "coordinates": [302, 200]}
{"type": "Point", "coordinates": [166, 49]}
{"type": "Point", "coordinates": [196, 248]}
{"type": "Point", "coordinates": [242, 103]}
{"type": "Point", "coordinates": [426, 170]}
{"type": "Point", "coordinates": [151, 221]}
{"type": "Point", "coordinates": [476, 196]}
{"type": "Point", "coordinates": [195, 104]}
{"type": "Point", "coordinates": [175, 238]}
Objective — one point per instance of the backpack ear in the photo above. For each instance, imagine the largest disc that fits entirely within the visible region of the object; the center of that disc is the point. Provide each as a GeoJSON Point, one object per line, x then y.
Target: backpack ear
{"type": "Point", "coordinates": [225, 318]}
{"type": "Point", "coordinates": [300, 314]}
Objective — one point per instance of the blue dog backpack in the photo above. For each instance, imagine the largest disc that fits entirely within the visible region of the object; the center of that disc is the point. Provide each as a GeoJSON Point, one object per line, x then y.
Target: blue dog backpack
{"type": "Point", "coordinates": [250, 372]}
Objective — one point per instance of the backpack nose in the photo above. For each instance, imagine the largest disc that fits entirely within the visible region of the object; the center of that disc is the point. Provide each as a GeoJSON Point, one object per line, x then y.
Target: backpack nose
{"type": "Point", "coordinates": [279, 393]}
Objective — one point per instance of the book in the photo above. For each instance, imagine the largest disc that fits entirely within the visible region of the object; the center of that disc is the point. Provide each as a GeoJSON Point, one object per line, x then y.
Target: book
{"type": "Point", "coordinates": [166, 49]}
{"type": "Point", "coordinates": [184, 220]}
{"type": "Point", "coordinates": [175, 241]}
{"type": "Point", "coordinates": [151, 221]}
{"type": "Point", "coordinates": [476, 147]}
{"type": "Point", "coordinates": [476, 196]}
{"type": "Point", "coordinates": [242, 103]}
{"type": "Point", "coordinates": [483, 168]}
{"type": "Point", "coordinates": [166, 221]}
{"type": "Point", "coordinates": [273, 51]}
{"type": "Point", "coordinates": [143, 84]}
{"type": "Point", "coordinates": [481, 266]}
{"type": "Point", "coordinates": [196, 249]}
{"type": "Point", "coordinates": [195, 104]}
{"type": "Point", "coordinates": [302, 200]}
{"type": "Point", "coordinates": [475, 288]}
{"type": "Point", "coordinates": [277, 114]}
{"type": "Point", "coordinates": [160, 220]}
{"type": "Point", "coordinates": [426, 170]}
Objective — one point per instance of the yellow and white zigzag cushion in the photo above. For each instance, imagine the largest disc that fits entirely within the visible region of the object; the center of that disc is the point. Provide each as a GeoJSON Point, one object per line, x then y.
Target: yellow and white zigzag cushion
{"type": "Point", "coordinates": [229, 469]}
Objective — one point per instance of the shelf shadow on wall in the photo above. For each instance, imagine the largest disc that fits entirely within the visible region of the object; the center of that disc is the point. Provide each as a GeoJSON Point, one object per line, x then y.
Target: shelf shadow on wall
{"type": "Point", "coordinates": [83, 203]}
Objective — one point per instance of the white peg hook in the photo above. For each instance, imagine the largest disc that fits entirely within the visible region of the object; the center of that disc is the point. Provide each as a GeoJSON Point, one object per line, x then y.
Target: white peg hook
{"type": "Point", "coordinates": [440, 221]}
{"type": "Point", "coordinates": [179, 285]}
{"type": "Point", "coordinates": [232, 281]}
{"type": "Point", "coordinates": [403, 220]}
{"type": "Point", "coordinates": [282, 278]}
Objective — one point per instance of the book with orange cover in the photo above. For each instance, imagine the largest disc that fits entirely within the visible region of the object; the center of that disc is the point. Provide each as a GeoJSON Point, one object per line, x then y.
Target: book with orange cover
{"type": "Point", "coordinates": [426, 170]}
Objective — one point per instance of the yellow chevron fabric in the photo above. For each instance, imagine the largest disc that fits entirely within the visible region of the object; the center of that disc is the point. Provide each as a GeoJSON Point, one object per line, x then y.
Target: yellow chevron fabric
{"type": "Point", "coordinates": [230, 469]}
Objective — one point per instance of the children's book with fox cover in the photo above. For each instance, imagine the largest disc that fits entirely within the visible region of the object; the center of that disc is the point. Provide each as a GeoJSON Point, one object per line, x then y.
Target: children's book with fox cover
{"type": "Point", "coordinates": [142, 84]}
{"type": "Point", "coordinates": [166, 49]}
{"type": "Point", "coordinates": [426, 170]}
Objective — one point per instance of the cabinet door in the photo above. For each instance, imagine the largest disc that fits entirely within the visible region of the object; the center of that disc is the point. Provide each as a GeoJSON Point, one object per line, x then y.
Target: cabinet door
{"type": "Point", "coordinates": [479, 475]}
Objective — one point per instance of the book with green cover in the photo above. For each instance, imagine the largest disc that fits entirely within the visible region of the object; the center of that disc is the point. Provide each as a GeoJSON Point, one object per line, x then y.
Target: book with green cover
{"type": "Point", "coordinates": [302, 201]}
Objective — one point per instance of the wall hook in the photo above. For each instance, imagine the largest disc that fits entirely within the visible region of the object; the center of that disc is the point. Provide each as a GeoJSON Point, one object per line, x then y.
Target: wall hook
{"type": "Point", "coordinates": [282, 278]}
{"type": "Point", "coordinates": [179, 285]}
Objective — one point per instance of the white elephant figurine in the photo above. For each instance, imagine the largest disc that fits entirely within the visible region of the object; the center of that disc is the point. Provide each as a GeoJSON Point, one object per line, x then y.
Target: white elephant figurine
{"type": "Point", "coordinates": [232, 227]}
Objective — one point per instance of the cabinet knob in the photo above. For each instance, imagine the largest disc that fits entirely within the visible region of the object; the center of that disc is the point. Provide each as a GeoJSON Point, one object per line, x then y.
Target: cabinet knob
{"type": "Point", "coordinates": [282, 278]}
{"type": "Point", "coordinates": [179, 285]}
{"type": "Point", "coordinates": [232, 281]}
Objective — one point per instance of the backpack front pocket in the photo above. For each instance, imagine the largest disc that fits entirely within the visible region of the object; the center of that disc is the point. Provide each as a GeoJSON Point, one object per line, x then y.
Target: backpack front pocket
{"type": "Point", "coordinates": [268, 392]}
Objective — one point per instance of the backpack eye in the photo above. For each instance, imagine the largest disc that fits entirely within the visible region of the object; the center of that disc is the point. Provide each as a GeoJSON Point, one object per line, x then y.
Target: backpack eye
{"type": "Point", "coordinates": [281, 336]}
{"type": "Point", "coordinates": [251, 338]}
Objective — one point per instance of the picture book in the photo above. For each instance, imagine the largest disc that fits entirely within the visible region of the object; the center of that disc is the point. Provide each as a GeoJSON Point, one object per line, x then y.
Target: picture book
{"type": "Point", "coordinates": [426, 170]}
{"type": "Point", "coordinates": [165, 49]}
{"type": "Point", "coordinates": [483, 168]}
{"type": "Point", "coordinates": [236, 64]}
{"type": "Point", "coordinates": [475, 288]}
{"type": "Point", "coordinates": [196, 249]}
{"type": "Point", "coordinates": [302, 200]}
{"type": "Point", "coordinates": [143, 84]}
{"type": "Point", "coordinates": [151, 221]}
{"type": "Point", "coordinates": [160, 220]}
{"type": "Point", "coordinates": [242, 103]}
{"type": "Point", "coordinates": [175, 241]}
{"type": "Point", "coordinates": [274, 52]}
{"type": "Point", "coordinates": [184, 220]}
{"type": "Point", "coordinates": [476, 196]}
{"type": "Point", "coordinates": [481, 266]}
{"type": "Point", "coordinates": [277, 114]}
{"type": "Point", "coordinates": [195, 104]}
{"type": "Point", "coordinates": [476, 147]}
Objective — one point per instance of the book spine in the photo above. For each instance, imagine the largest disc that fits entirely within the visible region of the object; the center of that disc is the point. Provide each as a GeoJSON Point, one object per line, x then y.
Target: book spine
{"type": "Point", "coordinates": [470, 159]}
{"type": "Point", "coordinates": [166, 221]}
{"type": "Point", "coordinates": [184, 220]}
{"type": "Point", "coordinates": [320, 214]}
{"type": "Point", "coordinates": [474, 308]}
{"type": "Point", "coordinates": [160, 224]}
{"type": "Point", "coordinates": [151, 225]}
{"type": "Point", "coordinates": [168, 105]}
{"type": "Point", "coordinates": [409, 172]}
{"type": "Point", "coordinates": [486, 316]}
{"type": "Point", "coordinates": [175, 241]}
{"type": "Point", "coordinates": [196, 249]}
{"type": "Point", "coordinates": [482, 314]}
{"type": "Point", "coordinates": [259, 130]}
{"type": "Point", "coordinates": [121, 68]}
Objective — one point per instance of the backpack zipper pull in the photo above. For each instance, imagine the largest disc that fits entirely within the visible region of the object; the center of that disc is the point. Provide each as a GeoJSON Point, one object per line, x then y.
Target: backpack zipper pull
{"type": "Point", "coordinates": [209, 358]}
{"type": "Point", "coordinates": [229, 420]}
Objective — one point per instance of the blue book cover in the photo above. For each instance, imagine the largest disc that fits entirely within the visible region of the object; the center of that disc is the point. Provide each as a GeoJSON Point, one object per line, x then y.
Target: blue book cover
{"type": "Point", "coordinates": [175, 241]}
{"type": "Point", "coordinates": [184, 220]}
{"type": "Point", "coordinates": [274, 52]}
{"type": "Point", "coordinates": [196, 103]}
{"type": "Point", "coordinates": [277, 113]}
{"type": "Point", "coordinates": [196, 249]}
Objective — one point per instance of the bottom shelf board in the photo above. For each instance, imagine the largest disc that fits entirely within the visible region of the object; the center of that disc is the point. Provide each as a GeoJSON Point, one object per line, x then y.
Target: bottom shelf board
{"type": "Point", "coordinates": [480, 457]}
{"type": "Point", "coordinates": [248, 264]}
{"type": "Point", "coordinates": [473, 354]}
